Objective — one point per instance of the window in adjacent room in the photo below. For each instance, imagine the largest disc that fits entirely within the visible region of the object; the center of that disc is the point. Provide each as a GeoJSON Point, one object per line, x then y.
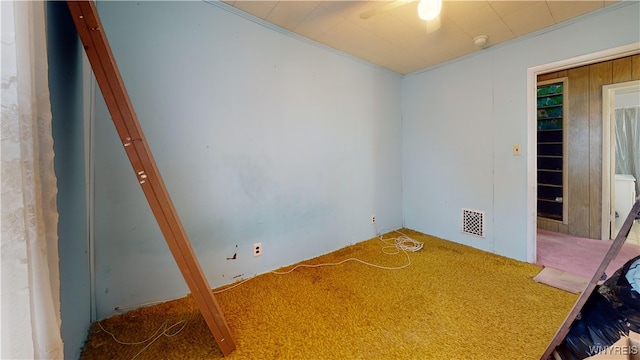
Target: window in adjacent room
{"type": "Point", "coordinates": [552, 171]}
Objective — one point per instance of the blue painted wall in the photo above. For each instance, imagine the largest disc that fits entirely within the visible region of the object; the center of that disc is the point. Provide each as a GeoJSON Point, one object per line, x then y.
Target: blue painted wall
{"type": "Point", "coordinates": [265, 138]}
{"type": "Point", "coordinates": [460, 121]}
{"type": "Point", "coordinates": [260, 137]}
{"type": "Point", "coordinates": [65, 84]}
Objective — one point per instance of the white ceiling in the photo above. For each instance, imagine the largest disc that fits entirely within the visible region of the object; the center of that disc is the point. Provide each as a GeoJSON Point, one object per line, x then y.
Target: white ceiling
{"type": "Point", "coordinates": [398, 40]}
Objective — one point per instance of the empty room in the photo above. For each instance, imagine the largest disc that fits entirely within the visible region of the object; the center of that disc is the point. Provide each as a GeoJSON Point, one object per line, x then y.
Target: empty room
{"type": "Point", "coordinates": [348, 179]}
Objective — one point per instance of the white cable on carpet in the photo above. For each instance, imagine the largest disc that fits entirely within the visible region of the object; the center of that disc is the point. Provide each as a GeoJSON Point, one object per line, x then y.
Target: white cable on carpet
{"type": "Point", "coordinates": [156, 335]}
{"type": "Point", "coordinates": [402, 243]}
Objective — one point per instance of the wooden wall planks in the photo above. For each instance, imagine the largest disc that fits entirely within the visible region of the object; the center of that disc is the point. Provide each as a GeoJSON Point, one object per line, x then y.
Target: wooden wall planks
{"type": "Point", "coordinates": [599, 74]}
{"type": "Point", "coordinates": [584, 137]}
{"type": "Point", "coordinates": [578, 152]}
{"type": "Point", "coordinates": [635, 67]}
{"type": "Point", "coordinates": [552, 75]}
{"type": "Point", "coordinates": [621, 71]}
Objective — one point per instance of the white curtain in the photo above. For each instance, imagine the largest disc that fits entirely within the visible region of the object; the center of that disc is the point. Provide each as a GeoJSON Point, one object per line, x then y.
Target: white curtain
{"type": "Point", "coordinates": [30, 277]}
{"type": "Point", "coordinates": [628, 142]}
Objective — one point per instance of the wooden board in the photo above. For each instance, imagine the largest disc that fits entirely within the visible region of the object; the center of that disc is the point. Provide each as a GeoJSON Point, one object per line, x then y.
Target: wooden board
{"type": "Point", "coordinates": [578, 157]}
{"type": "Point", "coordinates": [599, 75]}
{"type": "Point", "coordinates": [599, 275]}
{"type": "Point", "coordinates": [635, 67]}
{"type": "Point", "coordinates": [622, 70]}
{"type": "Point", "coordinates": [561, 280]}
{"type": "Point", "coordinates": [87, 21]}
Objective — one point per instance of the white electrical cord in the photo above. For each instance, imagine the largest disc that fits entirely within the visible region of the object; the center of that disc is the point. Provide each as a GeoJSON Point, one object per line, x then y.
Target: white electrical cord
{"type": "Point", "coordinates": [156, 335]}
{"type": "Point", "coordinates": [403, 244]}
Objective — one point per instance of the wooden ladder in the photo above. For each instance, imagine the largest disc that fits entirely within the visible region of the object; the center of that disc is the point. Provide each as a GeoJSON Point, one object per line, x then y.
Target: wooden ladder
{"type": "Point", "coordinates": [600, 275]}
{"type": "Point", "coordinates": [87, 21]}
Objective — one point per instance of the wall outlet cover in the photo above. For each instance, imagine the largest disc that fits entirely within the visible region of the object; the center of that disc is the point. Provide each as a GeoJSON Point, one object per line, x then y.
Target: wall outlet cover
{"type": "Point", "coordinates": [257, 249]}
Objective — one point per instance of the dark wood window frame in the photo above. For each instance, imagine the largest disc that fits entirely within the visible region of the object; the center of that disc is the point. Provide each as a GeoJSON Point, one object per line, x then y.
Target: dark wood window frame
{"type": "Point", "coordinates": [552, 151]}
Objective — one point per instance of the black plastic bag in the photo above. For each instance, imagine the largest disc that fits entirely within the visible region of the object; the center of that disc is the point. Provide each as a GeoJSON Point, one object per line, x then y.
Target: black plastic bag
{"type": "Point", "coordinates": [609, 313]}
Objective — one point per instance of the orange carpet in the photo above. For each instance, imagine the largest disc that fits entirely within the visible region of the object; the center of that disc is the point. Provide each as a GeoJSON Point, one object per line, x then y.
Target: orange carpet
{"type": "Point", "coordinates": [452, 302]}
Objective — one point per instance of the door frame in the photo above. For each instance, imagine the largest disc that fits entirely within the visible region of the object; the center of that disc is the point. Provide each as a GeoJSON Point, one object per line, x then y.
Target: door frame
{"type": "Point", "coordinates": [532, 76]}
{"type": "Point", "coordinates": [609, 93]}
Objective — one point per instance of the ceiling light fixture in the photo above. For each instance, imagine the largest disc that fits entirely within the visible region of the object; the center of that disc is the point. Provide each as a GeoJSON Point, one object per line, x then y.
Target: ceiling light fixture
{"type": "Point", "coordinates": [429, 9]}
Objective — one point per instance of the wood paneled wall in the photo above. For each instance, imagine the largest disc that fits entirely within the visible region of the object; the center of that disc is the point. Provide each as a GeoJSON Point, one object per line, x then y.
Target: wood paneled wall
{"type": "Point", "coordinates": [584, 141]}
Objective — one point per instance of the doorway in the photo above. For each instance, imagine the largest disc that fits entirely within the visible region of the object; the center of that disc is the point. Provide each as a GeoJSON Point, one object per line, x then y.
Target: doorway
{"type": "Point", "coordinates": [593, 211]}
{"type": "Point", "coordinates": [621, 116]}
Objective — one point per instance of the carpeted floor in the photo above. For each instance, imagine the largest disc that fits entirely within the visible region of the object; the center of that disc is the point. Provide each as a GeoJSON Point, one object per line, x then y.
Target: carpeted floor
{"type": "Point", "coordinates": [453, 302]}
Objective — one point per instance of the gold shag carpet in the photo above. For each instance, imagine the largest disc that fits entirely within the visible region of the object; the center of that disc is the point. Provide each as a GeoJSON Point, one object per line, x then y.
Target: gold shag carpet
{"type": "Point", "coordinates": [452, 302]}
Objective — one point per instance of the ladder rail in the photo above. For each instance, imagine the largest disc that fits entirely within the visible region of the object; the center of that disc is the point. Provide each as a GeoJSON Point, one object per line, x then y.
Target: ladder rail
{"type": "Point", "coordinates": [94, 40]}
{"type": "Point", "coordinates": [598, 276]}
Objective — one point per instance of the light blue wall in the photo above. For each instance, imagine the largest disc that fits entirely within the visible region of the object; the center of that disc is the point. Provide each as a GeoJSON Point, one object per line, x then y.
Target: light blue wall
{"type": "Point", "coordinates": [65, 85]}
{"type": "Point", "coordinates": [265, 138]}
{"type": "Point", "coordinates": [260, 137]}
{"type": "Point", "coordinates": [460, 121]}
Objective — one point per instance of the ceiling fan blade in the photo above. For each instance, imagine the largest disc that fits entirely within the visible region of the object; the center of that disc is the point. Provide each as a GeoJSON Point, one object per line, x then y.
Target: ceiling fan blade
{"type": "Point", "coordinates": [384, 8]}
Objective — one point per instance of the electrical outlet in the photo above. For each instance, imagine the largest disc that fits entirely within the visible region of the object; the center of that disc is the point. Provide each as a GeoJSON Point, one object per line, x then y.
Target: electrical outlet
{"type": "Point", "coordinates": [373, 219]}
{"type": "Point", "coordinates": [257, 249]}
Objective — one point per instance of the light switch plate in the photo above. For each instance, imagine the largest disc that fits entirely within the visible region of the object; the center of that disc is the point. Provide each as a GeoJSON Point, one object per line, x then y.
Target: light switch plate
{"type": "Point", "coordinates": [517, 150]}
